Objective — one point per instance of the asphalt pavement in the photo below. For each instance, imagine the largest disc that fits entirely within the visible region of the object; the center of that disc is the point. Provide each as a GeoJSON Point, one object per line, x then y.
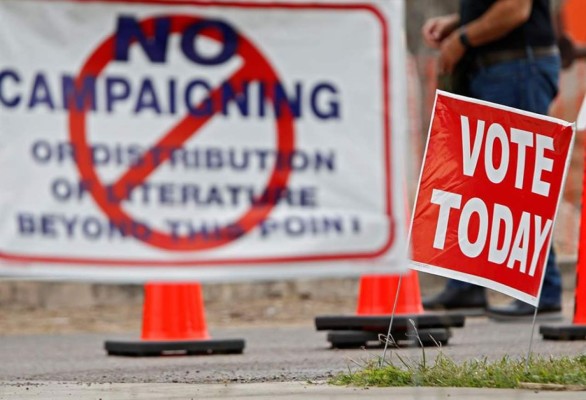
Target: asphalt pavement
{"type": "Point", "coordinates": [278, 362]}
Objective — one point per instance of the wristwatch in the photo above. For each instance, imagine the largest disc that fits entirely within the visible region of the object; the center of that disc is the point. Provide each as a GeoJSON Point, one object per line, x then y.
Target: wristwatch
{"type": "Point", "coordinates": [464, 39]}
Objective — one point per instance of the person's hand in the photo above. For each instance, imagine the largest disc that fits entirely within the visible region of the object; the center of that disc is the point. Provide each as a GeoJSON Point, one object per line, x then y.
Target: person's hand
{"type": "Point", "coordinates": [451, 52]}
{"type": "Point", "coordinates": [436, 29]}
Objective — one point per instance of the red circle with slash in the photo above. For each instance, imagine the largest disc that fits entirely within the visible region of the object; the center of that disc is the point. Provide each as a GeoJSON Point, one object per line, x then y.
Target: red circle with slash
{"type": "Point", "coordinates": [255, 67]}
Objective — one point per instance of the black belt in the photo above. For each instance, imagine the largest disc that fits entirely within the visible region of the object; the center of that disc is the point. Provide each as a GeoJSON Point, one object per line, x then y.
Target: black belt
{"type": "Point", "coordinates": [495, 57]}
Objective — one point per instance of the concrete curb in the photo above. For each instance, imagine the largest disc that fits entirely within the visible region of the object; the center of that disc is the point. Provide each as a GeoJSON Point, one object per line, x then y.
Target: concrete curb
{"type": "Point", "coordinates": [260, 391]}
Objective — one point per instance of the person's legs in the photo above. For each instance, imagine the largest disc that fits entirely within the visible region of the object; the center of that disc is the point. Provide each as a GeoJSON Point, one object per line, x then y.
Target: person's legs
{"type": "Point", "coordinates": [456, 284]}
{"type": "Point", "coordinates": [551, 292]}
{"type": "Point", "coordinates": [457, 295]}
{"type": "Point", "coordinates": [543, 88]}
{"type": "Point", "coordinates": [490, 84]}
{"type": "Point", "coordinates": [529, 85]}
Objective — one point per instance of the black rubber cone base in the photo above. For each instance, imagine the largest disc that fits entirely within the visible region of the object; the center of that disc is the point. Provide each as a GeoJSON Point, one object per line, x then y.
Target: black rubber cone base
{"type": "Point", "coordinates": [148, 348]}
{"type": "Point", "coordinates": [359, 339]}
{"type": "Point", "coordinates": [560, 332]}
{"type": "Point", "coordinates": [380, 324]}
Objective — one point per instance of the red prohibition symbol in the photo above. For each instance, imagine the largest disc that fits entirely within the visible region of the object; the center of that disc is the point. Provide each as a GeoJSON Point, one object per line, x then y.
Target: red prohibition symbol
{"type": "Point", "coordinates": [254, 67]}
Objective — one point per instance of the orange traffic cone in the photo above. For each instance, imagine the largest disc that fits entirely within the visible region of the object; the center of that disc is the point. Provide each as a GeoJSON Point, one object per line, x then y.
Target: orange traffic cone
{"type": "Point", "coordinates": [375, 295]}
{"type": "Point", "coordinates": [173, 323]}
{"type": "Point", "coordinates": [580, 294]}
{"type": "Point", "coordinates": [376, 300]}
{"type": "Point", "coordinates": [173, 312]}
{"type": "Point", "coordinates": [576, 331]}
{"type": "Point", "coordinates": [580, 299]}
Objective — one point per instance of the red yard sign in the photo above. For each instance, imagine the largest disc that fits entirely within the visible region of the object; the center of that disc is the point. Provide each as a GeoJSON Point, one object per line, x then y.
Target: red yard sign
{"type": "Point", "coordinates": [490, 186]}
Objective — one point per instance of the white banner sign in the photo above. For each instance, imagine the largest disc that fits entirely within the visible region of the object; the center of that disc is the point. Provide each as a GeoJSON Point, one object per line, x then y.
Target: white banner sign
{"type": "Point", "coordinates": [212, 141]}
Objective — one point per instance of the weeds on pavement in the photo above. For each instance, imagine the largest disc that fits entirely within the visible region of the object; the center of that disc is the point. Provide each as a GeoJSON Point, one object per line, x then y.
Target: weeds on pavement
{"type": "Point", "coordinates": [555, 373]}
{"type": "Point", "coordinates": [445, 372]}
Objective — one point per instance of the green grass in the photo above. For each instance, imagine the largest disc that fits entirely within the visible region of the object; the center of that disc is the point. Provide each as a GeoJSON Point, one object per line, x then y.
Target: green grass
{"type": "Point", "coordinates": [444, 372]}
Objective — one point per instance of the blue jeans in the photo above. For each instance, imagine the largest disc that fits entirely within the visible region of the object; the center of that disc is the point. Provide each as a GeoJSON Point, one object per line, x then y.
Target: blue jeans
{"type": "Point", "coordinates": [529, 84]}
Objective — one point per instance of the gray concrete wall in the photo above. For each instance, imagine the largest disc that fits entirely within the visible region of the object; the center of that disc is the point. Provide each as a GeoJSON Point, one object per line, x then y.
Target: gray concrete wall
{"type": "Point", "coordinates": [58, 295]}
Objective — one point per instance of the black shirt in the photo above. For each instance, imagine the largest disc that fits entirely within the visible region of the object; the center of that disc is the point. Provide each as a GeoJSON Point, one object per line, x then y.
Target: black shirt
{"type": "Point", "coordinates": [537, 31]}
